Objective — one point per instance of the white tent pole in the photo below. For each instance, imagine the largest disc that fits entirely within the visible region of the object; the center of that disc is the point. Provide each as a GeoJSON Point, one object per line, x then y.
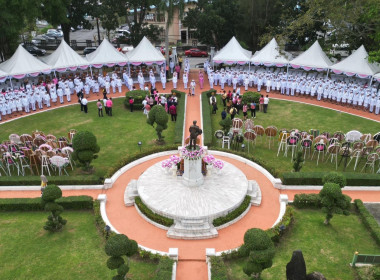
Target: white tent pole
{"type": "Point", "coordinates": [55, 75]}
{"type": "Point", "coordinates": [91, 71]}
{"type": "Point", "coordinates": [287, 72]}
{"type": "Point", "coordinates": [129, 69]}
{"type": "Point", "coordinates": [327, 75]}
{"type": "Point", "coordinates": [249, 69]}
{"type": "Point", "coordinates": [10, 78]}
{"type": "Point", "coordinates": [370, 83]}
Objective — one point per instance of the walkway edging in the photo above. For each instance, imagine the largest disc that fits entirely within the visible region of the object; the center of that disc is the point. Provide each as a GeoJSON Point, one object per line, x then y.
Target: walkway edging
{"type": "Point", "coordinates": [62, 187]}
{"type": "Point", "coordinates": [318, 188]}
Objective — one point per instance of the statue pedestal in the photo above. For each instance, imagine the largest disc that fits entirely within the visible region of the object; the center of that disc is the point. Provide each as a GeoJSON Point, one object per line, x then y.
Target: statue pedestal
{"type": "Point", "coordinates": [192, 174]}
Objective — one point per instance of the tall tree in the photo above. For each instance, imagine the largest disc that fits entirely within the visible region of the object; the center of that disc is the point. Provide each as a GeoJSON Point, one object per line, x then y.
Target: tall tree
{"type": "Point", "coordinates": [215, 21]}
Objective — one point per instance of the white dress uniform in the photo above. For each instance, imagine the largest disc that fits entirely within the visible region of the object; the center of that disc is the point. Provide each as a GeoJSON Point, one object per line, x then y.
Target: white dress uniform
{"type": "Point", "coordinates": [118, 84]}
{"type": "Point", "coordinates": [68, 94]}
{"type": "Point", "coordinates": [47, 99]}
{"type": "Point", "coordinates": [163, 79]}
{"type": "Point", "coordinates": [113, 85]}
{"type": "Point", "coordinates": [377, 110]}
{"type": "Point", "coordinates": [152, 80]}
{"type": "Point", "coordinates": [87, 89]}
{"type": "Point", "coordinates": [60, 94]}
{"type": "Point", "coordinates": [175, 80]}
{"type": "Point", "coordinates": [185, 80]}
{"type": "Point", "coordinates": [141, 80]}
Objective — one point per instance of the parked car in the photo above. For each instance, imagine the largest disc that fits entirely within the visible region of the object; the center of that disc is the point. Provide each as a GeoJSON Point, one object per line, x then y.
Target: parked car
{"type": "Point", "coordinates": [89, 50]}
{"type": "Point", "coordinates": [34, 50]}
{"type": "Point", "coordinates": [196, 52]}
{"type": "Point", "coordinates": [54, 33]}
{"type": "Point", "coordinates": [38, 40]}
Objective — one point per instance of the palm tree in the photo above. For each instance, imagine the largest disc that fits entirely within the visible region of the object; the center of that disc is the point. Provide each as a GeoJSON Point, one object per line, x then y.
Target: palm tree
{"type": "Point", "coordinates": [168, 7]}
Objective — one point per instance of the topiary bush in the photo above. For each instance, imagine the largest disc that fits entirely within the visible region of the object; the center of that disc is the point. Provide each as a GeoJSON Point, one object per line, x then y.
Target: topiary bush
{"type": "Point", "coordinates": [117, 247]}
{"type": "Point", "coordinates": [157, 115]}
{"type": "Point", "coordinates": [85, 148]}
{"type": "Point", "coordinates": [138, 96]}
{"type": "Point", "coordinates": [249, 97]}
{"type": "Point", "coordinates": [55, 221]}
{"type": "Point", "coordinates": [336, 178]}
{"type": "Point", "coordinates": [259, 250]}
{"type": "Point", "coordinates": [164, 269]}
{"type": "Point", "coordinates": [226, 124]}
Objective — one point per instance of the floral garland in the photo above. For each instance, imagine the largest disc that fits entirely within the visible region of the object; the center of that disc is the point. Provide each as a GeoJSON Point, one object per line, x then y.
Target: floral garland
{"type": "Point", "coordinates": [173, 160]}
{"type": "Point", "coordinates": [209, 159]}
{"type": "Point", "coordinates": [218, 164]}
{"type": "Point", "coordinates": [192, 154]}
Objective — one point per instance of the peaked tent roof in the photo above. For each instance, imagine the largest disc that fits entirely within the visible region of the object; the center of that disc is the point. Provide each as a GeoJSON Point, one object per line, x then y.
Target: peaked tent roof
{"type": "Point", "coordinates": [106, 54]}
{"type": "Point", "coordinates": [269, 55]}
{"type": "Point", "coordinates": [65, 57]}
{"type": "Point", "coordinates": [23, 63]}
{"type": "Point", "coordinates": [145, 53]}
{"type": "Point", "coordinates": [356, 64]}
{"type": "Point", "coordinates": [377, 77]}
{"type": "Point", "coordinates": [313, 58]}
{"type": "Point", "coordinates": [233, 52]}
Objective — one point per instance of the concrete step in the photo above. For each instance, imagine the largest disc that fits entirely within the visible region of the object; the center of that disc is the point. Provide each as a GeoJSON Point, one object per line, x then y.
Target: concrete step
{"type": "Point", "coordinates": [192, 229]}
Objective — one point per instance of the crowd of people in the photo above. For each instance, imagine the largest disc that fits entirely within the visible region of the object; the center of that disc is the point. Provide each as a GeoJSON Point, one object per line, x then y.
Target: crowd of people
{"type": "Point", "coordinates": [169, 102]}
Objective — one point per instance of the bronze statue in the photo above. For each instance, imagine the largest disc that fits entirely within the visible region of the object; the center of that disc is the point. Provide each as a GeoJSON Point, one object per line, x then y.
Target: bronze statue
{"type": "Point", "coordinates": [194, 132]}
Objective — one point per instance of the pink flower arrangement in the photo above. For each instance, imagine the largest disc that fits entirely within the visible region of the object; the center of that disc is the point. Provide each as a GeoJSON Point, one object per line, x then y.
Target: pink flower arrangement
{"type": "Point", "coordinates": [218, 164]}
{"type": "Point", "coordinates": [175, 159]}
{"type": "Point", "coordinates": [167, 164]}
{"type": "Point", "coordinates": [192, 154]}
{"type": "Point", "coordinates": [209, 159]}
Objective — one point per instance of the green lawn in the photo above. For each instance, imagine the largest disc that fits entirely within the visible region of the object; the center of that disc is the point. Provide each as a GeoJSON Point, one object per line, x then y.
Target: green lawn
{"type": "Point", "coordinates": [117, 135]}
{"type": "Point", "coordinates": [289, 115]}
{"type": "Point", "coordinates": [328, 249]}
{"type": "Point", "coordinates": [29, 252]}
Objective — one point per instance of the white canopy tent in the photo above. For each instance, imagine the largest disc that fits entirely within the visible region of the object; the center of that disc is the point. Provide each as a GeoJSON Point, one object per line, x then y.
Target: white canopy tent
{"type": "Point", "coordinates": [23, 63]}
{"type": "Point", "coordinates": [356, 64]}
{"type": "Point", "coordinates": [145, 53]}
{"type": "Point", "coordinates": [106, 54]}
{"type": "Point", "coordinates": [314, 58]}
{"type": "Point", "coordinates": [269, 56]}
{"type": "Point", "coordinates": [233, 53]}
{"type": "Point", "coordinates": [376, 77]}
{"type": "Point", "coordinates": [64, 57]}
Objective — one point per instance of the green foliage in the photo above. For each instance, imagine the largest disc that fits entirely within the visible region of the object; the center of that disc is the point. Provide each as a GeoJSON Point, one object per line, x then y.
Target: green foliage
{"type": "Point", "coordinates": [333, 201]}
{"type": "Point", "coordinates": [138, 96]}
{"type": "Point", "coordinates": [334, 177]}
{"type": "Point", "coordinates": [208, 93]}
{"type": "Point", "coordinates": [277, 231]}
{"type": "Point", "coordinates": [206, 114]}
{"type": "Point", "coordinates": [369, 273]}
{"type": "Point", "coordinates": [368, 220]}
{"type": "Point", "coordinates": [250, 97]}
{"type": "Point", "coordinates": [218, 269]}
{"type": "Point", "coordinates": [114, 262]}
{"type": "Point", "coordinates": [259, 250]}
{"type": "Point", "coordinates": [234, 214]}
{"type": "Point", "coordinates": [123, 269]}
{"type": "Point", "coordinates": [99, 221]}
{"type": "Point", "coordinates": [226, 124]}
{"type": "Point", "coordinates": [164, 269]}
{"type": "Point", "coordinates": [85, 148]}
{"type": "Point", "coordinates": [34, 204]}
{"type": "Point", "coordinates": [55, 221]}
{"type": "Point", "coordinates": [151, 215]}
{"type": "Point", "coordinates": [157, 115]}
{"type": "Point", "coordinates": [304, 200]}
{"type": "Point", "coordinates": [316, 178]}
{"type": "Point", "coordinates": [56, 180]}
{"type": "Point", "coordinates": [298, 161]}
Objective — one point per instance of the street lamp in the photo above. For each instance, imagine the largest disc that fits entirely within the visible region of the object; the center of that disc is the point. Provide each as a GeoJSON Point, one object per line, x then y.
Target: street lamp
{"type": "Point", "coordinates": [139, 144]}
{"type": "Point", "coordinates": [242, 147]}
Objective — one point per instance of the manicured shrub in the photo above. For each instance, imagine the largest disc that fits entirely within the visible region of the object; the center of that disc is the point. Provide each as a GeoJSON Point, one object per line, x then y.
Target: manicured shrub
{"type": "Point", "coordinates": [164, 269]}
{"type": "Point", "coordinates": [333, 201]}
{"type": "Point", "coordinates": [151, 215]}
{"type": "Point", "coordinates": [158, 116]}
{"type": "Point", "coordinates": [234, 214]}
{"type": "Point", "coordinates": [298, 162]}
{"type": "Point", "coordinates": [55, 221]}
{"type": "Point", "coordinates": [304, 200]}
{"type": "Point", "coordinates": [115, 262]}
{"type": "Point", "coordinates": [259, 250]}
{"type": "Point", "coordinates": [85, 148]}
{"type": "Point", "coordinates": [226, 124]}
{"type": "Point", "coordinates": [368, 220]}
{"type": "Point", "coordinates": [336, 178]}
{"type": "Point", "coordinates": [218, 269]}
{"type": "Point", "coordinates": [138, 97]}
{"type": "Point", "coordinates": [249, 97]}
{"type": "Point", "coordinates": [208, 93]}
{"type": "Point", "coordinates": [206, 114]}
{"type": "Point", "coordinates": [277, 231]}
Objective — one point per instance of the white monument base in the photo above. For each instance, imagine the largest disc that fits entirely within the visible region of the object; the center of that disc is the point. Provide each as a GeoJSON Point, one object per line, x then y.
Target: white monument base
{"type": "Point", "coordinates": [192, 173]}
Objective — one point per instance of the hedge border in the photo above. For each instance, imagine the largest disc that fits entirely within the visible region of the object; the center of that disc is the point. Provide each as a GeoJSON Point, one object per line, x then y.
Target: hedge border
{"type": "Point", "coordinates": [56, 180]}
{"type": "Point", "coordinates": [82, 202]}
{"type": "Point", "coordinates": [207, 124]}
{"type": "Point", "coordinates": [178, 132]}
{"type": "Point", "coordinates": [218, 268]}
{"type": "Point", "coordinates": [368, 220]}
{"type": "Point", "coordinates": [233, 214]}
{"type": "Point", "coordinates": [315, 178]}
{"type": "Point", "coordinates": [151, 215]}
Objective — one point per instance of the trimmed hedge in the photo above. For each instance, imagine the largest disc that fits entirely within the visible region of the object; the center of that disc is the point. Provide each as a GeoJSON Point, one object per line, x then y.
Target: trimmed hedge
{"type": "Point", "coordinates": [209, 92]}
{"type": "Point", "coordinates": [304, 200]}
{"type": "Point", "coordinates": [55, 180]}
{"type": "Point", "coordinates": [164, 269]}
{"type": "Point", "coordinates": [206, 114]}
{"type": "Point", "coordinates": [250, 157]}
{"type": "Point", "coordinates": [34, 204]}
{"type": "Point", "coordinates": [151, 215]}
{"type": "Point", "coordinates": [178, 132]}
{"type": "Point", "coordinates": [316, 178]}
{"type": "Point", "coordinates": [250, 96]}
{"type": "Point", "coordinates": [99, 221]}
{"type": "Point", "coordinates": [368, 220]}
{"type": "Point", "coordinates": [218, 269]}
{"type": "Point", "coordinates": [124, 161]}
{"type": "Point", "coordinates": [138, 96]}
{"type": "Point", "coordinates": [276, 232]}
{"type": "Point", "coordinates": [234, 214]}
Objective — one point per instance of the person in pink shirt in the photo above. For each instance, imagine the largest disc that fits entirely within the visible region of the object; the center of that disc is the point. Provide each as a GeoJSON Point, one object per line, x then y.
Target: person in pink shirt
{"type": "Point", "coordinates": [201, 79]}
{"type": "Point", "coordinates": [261, 103]}
{"type": "Point", "coordinates": [178, 70]}
{"type": "Point", "coordinates": [109, 106]}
